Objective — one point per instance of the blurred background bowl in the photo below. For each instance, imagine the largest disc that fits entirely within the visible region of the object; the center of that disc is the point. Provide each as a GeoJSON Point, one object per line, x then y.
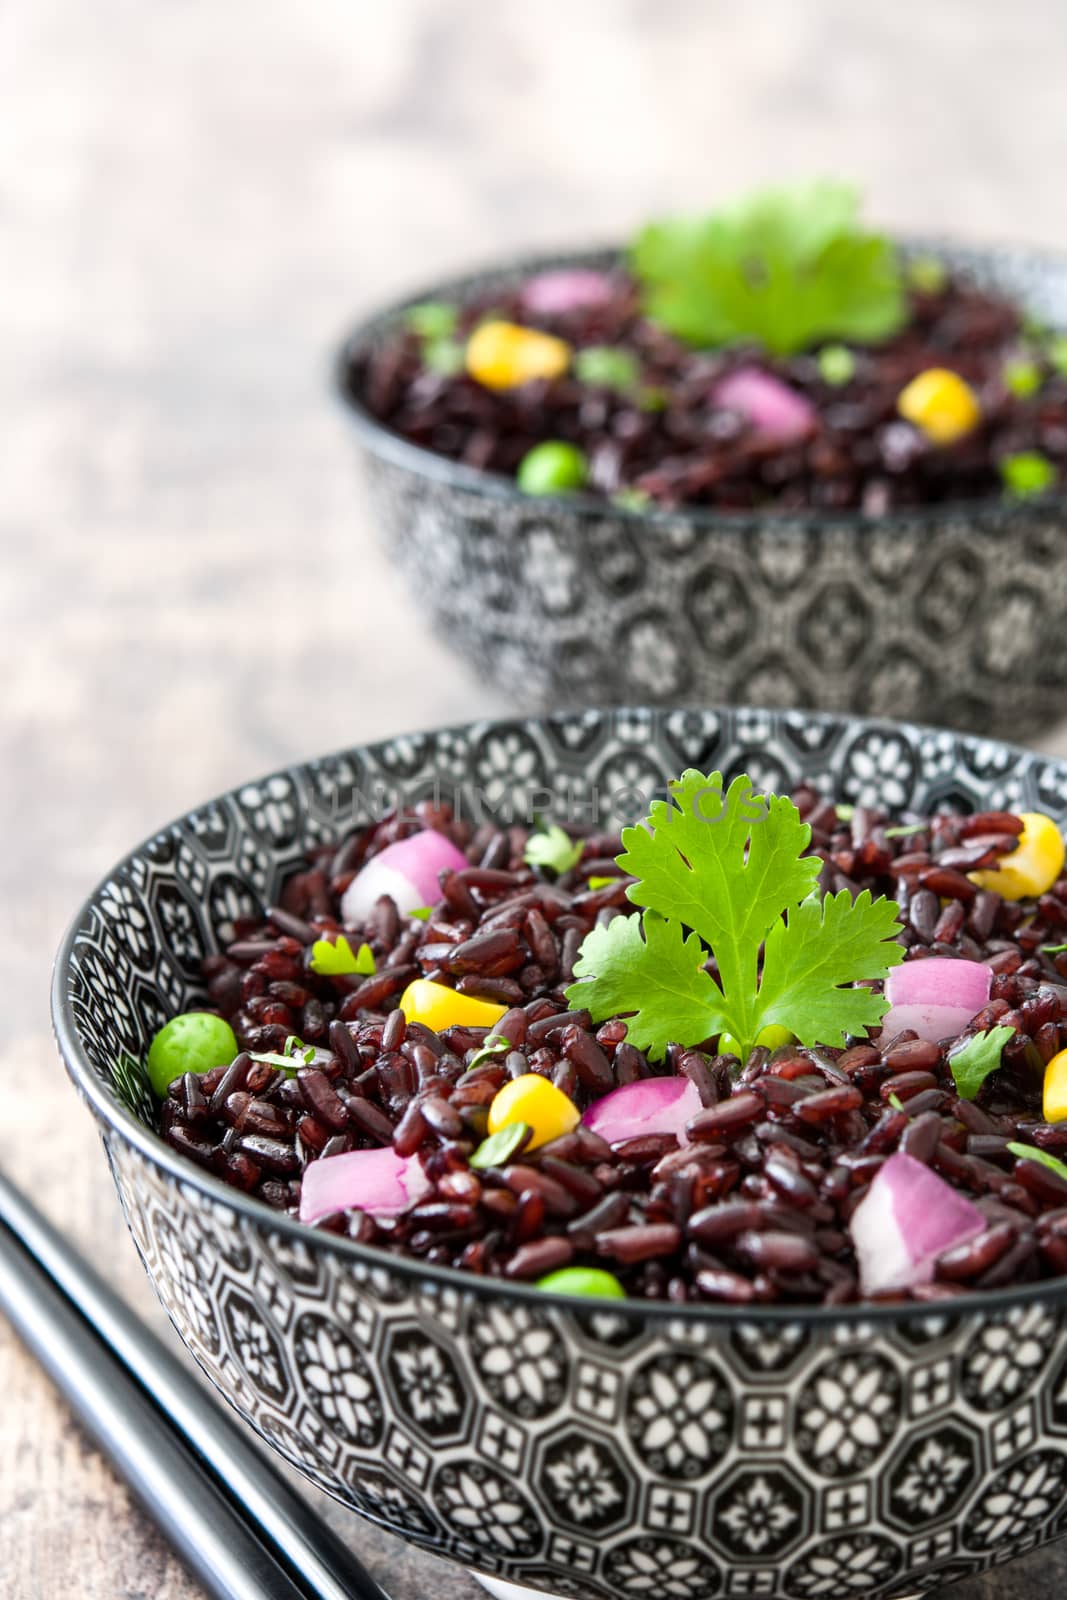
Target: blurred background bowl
{"type": "Point", "coordinates": [595, 1452]}
{"type": "Point", "coordinates": [951, 613]}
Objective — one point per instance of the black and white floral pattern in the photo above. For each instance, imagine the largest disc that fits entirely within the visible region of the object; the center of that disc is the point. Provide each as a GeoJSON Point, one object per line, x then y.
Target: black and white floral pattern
{"type": "Point", "coordinates": [595, 1453]}
{"type": "Point", "coordinates": [949, 613]}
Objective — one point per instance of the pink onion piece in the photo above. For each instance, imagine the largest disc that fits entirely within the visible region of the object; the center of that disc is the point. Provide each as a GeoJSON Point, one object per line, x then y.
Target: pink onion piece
{"type": "Point", "coordinates": [409, 871]}
{"type": "Point", "coordinates": [376, 1181]}
{"type": "Point", "coordinates": [940, 981]}
{"type": "Point", "coordinates": [908, 1217]}
{"type": "Point", "coordinates": [653, 1105]}
{"type": "Point", "coordinates": [929, 1022]}
{"type": "Point", "coordinates": [568, 289]}
{"type": "Point", "coordinates": [770, 406]}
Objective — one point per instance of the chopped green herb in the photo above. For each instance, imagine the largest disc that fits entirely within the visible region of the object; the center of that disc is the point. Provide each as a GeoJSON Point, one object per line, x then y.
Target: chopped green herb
{"type": "Point", "coordinates": [905, 830]}
{"type": "Point", "coordinates": [927, 274]}
{"type": "Point", "coordinates": [494, 1044]}
{"type": "Point", "coordinates": [729, 868]}
{"type": "Point", "coordinates": [605, 367]}
{"type": "Point", "coordinates": [837, 364]}
{"type": "Point", "coordinates": [293, 1054]}
{"type": "Point", "coordinates": [1023, 378]}
{"type": "Point", "coordinates": [433, 319]}
{"type": "Point", "coordinates": [652, 398]}
{"type": "Point", "coordinates": [1057, 353]}
{"type": "Point", "coordinates": [632, 499]}
{"type": "Point", "coordinates": [1053, 949]}
{"type": "Point", "coordinates": [602, 883]}
{"type": "Point", "coordinates": [338, 959]}
{"type": "Point", "coordinates": [446, 357]}
{"type": "Point", "coordinates": [553, 848]}
{"type": "Point", "coordinates": [845, 813]}
{"type": "Point", "coordinates": [499, 1148]}
{"type": "Point", "coordinates": [896, 1102]}
{"type": "Point", "coordinates": [786, 268]}
{"type": "Point", "coordinates": [979, 1057]}
{"type": "Point", "coordinates": [554, 467]}
{"type": "Point", "coordinates": [1027, 473]}
{"type": "Point", "coordinates": [1030, 1152]}
{"type": "Point", "coordinates": [423, 913]}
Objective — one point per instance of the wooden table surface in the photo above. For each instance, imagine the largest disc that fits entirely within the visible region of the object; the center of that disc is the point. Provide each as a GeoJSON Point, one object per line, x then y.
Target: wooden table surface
{"type": "Point", "coordinates": [194, 200]}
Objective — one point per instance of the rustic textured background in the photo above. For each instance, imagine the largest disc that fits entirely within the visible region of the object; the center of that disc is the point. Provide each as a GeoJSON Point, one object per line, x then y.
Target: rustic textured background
{"type": "Point", "coordinates": [194, 200]}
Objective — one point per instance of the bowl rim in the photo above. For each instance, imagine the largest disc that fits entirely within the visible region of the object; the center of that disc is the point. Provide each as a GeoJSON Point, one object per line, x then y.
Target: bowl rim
{"type": "Point", "coordinates": [148, 1144]}
{"type": "Point", "coordinates": [391, 447]}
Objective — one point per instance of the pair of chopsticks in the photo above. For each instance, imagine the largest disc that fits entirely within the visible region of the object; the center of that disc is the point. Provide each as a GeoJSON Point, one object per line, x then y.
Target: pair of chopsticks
{"type": "Point", "coordinates": [233, 1519]}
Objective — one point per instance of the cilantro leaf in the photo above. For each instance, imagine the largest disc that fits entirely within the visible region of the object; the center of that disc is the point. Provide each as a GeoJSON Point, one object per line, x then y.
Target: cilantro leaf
{"type": "Point", "coordinates": [605, 366]}
{"type": "Point", "coordinates": [727, 871]}
{"type": "Point", "coordinates": [653, 971]}
{"type": "Point", "coordinates": [422, 913]}
{"type": "Point", "coordinates": [896, 1102]}
{"type": "Point", "coordinates": [337, 959]}
{"type": "Point", "coordinates": [554, 848]}
{"type": "Point", "coordinates": [433, 319]}
{"type": "Point", "coordinates": [980, 1056]}
{"type": "Point", "coordinates": [817, 949]}
{"type": "Point", "coordinates": [1053, 949]}
{"type": "Point", "coordinates": [695, 862]}
{"type": "Point", "coordinates": [1030, 1152]}
{"type": "Point", "coordinates": [494, 1044]}
{"type": "Point", "coordinates": [788, 268]}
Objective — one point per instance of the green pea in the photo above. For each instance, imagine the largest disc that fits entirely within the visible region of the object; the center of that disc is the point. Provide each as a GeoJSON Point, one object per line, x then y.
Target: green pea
{"type": "Point", "coordinates": [590, 1282]}
{"type": "Point", "coordinates": [552, 468]}
{"type": "Point", "coordinates": [837, 364]}
{"type": "Point", "coordinates": [194, 1042]}
{"type": "Point", "coordinates": [1027, 473]}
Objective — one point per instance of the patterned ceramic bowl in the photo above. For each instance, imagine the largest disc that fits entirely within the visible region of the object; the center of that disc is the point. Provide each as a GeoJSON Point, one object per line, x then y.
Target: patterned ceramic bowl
{"type": "Point", "coordinates": [951, 614]}
{"type": "Point", "coordinates": [600, 1454]}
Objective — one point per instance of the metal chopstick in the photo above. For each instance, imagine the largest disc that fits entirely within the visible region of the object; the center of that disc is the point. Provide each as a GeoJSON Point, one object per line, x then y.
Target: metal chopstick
{"type": "Point", "coordinates": [233, 1517]}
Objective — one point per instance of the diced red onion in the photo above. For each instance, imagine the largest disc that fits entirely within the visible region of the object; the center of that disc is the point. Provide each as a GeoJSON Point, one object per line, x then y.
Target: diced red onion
{"type": "Point", "coordinates": [376, 1181]}
{"type": "Point", "coordinates": [409, 871]}
{"type": "Point", "coordinates": [906, 1220]}
{"type": "Point", "coordinates": [940, 981]}
{"type": "Point", "coordinates": [652, 1105]}
{"type": "Point", "coordinates": [770, 406]}
{"type": "Point", "coordinates": [568, 289]}
{"type": "Point", "coordinates": [929, 1022]}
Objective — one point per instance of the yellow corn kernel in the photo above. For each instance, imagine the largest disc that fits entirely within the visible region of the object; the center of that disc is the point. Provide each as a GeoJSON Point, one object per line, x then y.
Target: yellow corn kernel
{"type": "Point", "coordinates": [501, 355]}
{"type": "Point", "coordinates": [1032, 867]}
{"type": "Point", "coordinates": [439, 1007]}
{"type": "Point", "coordinates": [537, 1102]}
{"type": "Point", "coordinates": [1055, 1096]}
{"type": "Point", "coordinates": [940, 404]}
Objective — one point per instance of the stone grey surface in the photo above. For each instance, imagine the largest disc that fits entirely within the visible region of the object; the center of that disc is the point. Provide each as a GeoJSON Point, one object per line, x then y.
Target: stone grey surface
{"type": "Point", "coordinates": [194, 201]}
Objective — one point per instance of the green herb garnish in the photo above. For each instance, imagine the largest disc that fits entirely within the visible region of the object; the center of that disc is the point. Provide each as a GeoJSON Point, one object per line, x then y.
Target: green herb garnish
{"type": "Point", "coordinates": [1030, 1152]}
{"type": "Point", "coordinates": [500, 1147]}
{"type": "Point", "coordinates": [446, 357]}
{"type": "Point", "coordinates": [605, 367]}
{"type": "Point", "coordinates": [837, 364]}
{"type": "Point", "coordinates": [553, 848]}
{"type": "Point", "coordinates": [905, 830]}
{"type": "Point", "coordinates": [294, 1054]}
{"type": "Point", "coordinates": [896, 1102]}
{"type": "Point", "coordinates": [433, 319]}
{"type": "Point", "coordinates": [422, 913]}
{"type": "Point", "coordinates": [1027, 473]}
{"type": "Point", "coordinates": [927, 274]}
{"type": "Point", "coordinates": [338, 959]}
{"type": "Point", "coordinates": [1053, 949]}
{"type": "Point", "coordinates": [652, 398]}
{"type": "Point", "coordinates": [602, 883]}
{"type": "Point", "coordinates": [845, 813]}
{"type": "Point", "coordinates": [494, 1044]}
{"type": "Point", "coordinates": [786, 268]}
{"type": "Point", "coordinates": [979, 1057]}
{"type": "Point", "coordinates": [726, 872]}
{"type": "Point", "coordinates": [1022, 378]}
